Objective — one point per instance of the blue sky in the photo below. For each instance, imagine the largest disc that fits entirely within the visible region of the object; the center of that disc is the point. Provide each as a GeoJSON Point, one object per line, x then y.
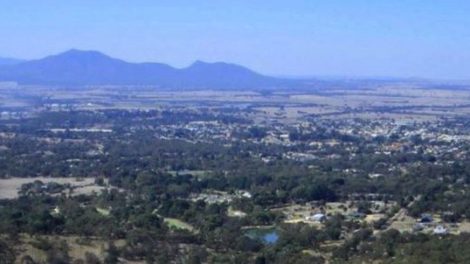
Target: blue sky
{"type": "Point", "coordinates": [401, 38]}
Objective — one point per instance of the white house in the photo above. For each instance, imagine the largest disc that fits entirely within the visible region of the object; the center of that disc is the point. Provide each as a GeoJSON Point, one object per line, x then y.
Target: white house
{"type": "Point", "coordinates": [316, 217]}
{"type": "Point", "coordinates": [440, 230]}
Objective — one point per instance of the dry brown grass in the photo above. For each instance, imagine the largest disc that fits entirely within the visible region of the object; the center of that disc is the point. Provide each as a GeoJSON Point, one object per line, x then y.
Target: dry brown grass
{"type": "Point", "coordinates": [9, 187]}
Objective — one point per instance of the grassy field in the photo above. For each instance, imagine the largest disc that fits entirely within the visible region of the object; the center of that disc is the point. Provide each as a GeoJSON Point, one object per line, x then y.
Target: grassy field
{"type": "Point", "coordinates": [178, 224]}
{"type": "Point", "coordinates": [9, 187]}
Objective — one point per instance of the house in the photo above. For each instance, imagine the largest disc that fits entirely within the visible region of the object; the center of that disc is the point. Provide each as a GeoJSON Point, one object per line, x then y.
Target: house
{"type": "Point", "coordinates": [440, 230]}
{"type": "Point", "coordinates": [319, 217]}
{"type": "Point", "coordinates": [426, 218]}
{"type": "Point", "coordinates": [244, 194]}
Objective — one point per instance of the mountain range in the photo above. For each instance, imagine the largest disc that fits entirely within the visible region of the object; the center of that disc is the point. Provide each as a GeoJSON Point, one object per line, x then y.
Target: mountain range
{"type": "Point", "coordinates": [76, 67]}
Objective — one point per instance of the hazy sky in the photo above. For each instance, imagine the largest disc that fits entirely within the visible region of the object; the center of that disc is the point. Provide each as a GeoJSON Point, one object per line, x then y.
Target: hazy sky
{"type": "Point", "coordinates": [403, 38]}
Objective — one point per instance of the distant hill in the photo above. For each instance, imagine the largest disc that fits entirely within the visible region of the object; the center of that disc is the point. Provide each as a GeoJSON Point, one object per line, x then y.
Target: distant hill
{"type": "Point", "coordinates": [76, 67]}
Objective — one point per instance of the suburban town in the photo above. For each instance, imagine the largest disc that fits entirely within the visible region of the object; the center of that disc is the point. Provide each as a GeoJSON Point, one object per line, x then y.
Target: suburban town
{"type": "Point", "coordinates": [260, 172]}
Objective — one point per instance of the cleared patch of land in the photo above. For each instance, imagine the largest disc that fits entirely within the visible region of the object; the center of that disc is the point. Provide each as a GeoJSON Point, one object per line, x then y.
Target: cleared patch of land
{"type": "Point", "coordinates": [178, 224]}
{"type": "Point", "coordinates": [9, 187]}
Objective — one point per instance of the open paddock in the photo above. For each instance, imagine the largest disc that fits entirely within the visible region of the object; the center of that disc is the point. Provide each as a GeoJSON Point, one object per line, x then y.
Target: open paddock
{"type": "Point", "coordinates": [9, 187]}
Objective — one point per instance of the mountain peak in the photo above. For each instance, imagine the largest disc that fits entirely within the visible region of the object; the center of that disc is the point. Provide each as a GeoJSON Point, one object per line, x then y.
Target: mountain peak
{"type": "Point", "coordinates": [79, 51]}
{"type": "Point", "coordinates": [76, 53]}
{"type": "Point", "coordinates": [71, 51]}
{"type": "Point", "coordinates": [198, 64]}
